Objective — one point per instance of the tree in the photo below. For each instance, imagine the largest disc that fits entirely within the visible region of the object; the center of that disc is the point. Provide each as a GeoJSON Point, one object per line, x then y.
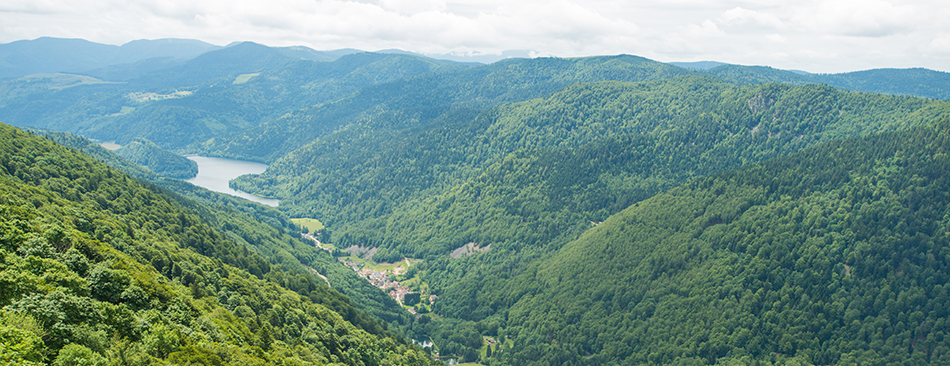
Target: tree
{"type": "Point", "coordinates": [265, 336]}
{"type": "Point", "coordinates": [411, 299]}
{"type": "Point", "coordinates": [79, 355]}
{"type": "Point", "coordinates": [19, 347]}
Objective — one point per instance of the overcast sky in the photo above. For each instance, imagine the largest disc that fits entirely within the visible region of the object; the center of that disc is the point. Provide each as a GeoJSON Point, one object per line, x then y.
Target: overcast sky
{"type": "Point", "coordinates": [810, 35]}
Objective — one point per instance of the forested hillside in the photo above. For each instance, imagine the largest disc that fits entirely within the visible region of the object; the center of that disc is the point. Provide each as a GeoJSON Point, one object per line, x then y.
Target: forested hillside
{"type": "Point", "coordinates": [224, 91]}
{"type": "Point", "coordinates": [271, 234]}
{"type": "Point", "coordinates": [837, 255]}
{"type": "Point", "coordinates": [158, 160]}
{"type": "Point", "coordinates": [420, 100]}
{"type": "Point", "coordinates": [526, 173]}
{"type": "Point", "coordinates": [915, 82]}
{"type": "Point", "coordinates": [98, 266]}
{"type": "Point", "coordinates": [529, 177]}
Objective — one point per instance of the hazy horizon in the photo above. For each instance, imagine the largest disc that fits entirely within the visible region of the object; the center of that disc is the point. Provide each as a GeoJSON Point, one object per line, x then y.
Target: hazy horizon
{"type": "Point", "coordinates": [811, 35]}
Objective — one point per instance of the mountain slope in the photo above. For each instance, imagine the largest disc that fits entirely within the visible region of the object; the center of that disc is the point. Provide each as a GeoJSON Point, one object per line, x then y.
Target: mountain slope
{"type": "Point", "coordinates": [245, 57]}
{"type": "Point", "coordinates": [52, 55]}
{"type": "Point", "coordinates": [837, 255]}
{"type": "Point", "coordinates": [586, 152]}
{"type": "Point", "coordinates": [917, 82]}
{"type": "Point", "coordinates": [744, 75]}
{"type": "Point", "coordinates": [271, 234]}
{"type": "Point", "coordinates": [526, 178]}
{"type": "Point", "coordinates": [97, 265]}
{"type": "Point", "coordinates": [419, 100]}
{"type": "Point", "coordinates": [158, 160]}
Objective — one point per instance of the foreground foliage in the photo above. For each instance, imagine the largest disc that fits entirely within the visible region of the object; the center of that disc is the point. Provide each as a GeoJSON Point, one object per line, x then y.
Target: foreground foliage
{"type": "Point", "coordinates": [268, 232]}
{"type": "Point", "coordinates": [97, 266]}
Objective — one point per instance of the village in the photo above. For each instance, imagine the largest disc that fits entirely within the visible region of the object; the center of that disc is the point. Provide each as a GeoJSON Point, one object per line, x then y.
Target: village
{"type": "Point", "coordinates": [381, 278]}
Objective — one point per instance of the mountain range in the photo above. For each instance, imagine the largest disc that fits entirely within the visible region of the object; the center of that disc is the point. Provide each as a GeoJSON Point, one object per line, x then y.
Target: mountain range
{"type": "Point", "coordinates": [582, 211]}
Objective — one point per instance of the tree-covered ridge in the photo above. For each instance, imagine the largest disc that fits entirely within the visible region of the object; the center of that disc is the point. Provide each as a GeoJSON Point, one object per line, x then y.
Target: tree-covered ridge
{"type": "Point", "coordinates": [96, 151]}
{"type": "Point", "coordinates": [836, 255]}
{"type": "Point", "coordinates": [527, 172]}
{"type": "Point", "coordinates": [158, 160]}
{"type": "Point", "coordinates": [529, 177]}
{"type": "Point", "coordinates": [745, 75]}
{"type": "Point", "coordinates": [96, 265]}
{"type": "Point", "coordinates": [417, 101]}
{"type": "Point", "coordinates": [48, 54]}
{"type": "Point", "coordinates": [917, 82]}
{"type": "Point", "coordinates": [270, 233]}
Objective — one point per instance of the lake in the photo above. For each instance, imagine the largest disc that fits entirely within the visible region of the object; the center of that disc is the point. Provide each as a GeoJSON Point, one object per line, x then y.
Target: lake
{"type": "Point", "coordinates": [215, 173]}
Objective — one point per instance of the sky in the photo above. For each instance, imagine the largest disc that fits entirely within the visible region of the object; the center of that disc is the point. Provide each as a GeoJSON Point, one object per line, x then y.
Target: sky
{"type": "Point", "coordinates": [823, 36]}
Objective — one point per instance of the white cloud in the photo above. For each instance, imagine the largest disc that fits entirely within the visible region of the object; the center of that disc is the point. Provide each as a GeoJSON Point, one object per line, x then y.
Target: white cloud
{"type": "Point", "coordinates": [745, 18]}
{"type": "Point", "coordinates": [777, 38]}
{"type": "Point", "coordinates": [941, 44]}
{"type": "Point", "coordinates": [706, 29]}
{"type": "Point", "coordinates": [860, 18]}
{"type": "Point", "coordinates": [406, 7]}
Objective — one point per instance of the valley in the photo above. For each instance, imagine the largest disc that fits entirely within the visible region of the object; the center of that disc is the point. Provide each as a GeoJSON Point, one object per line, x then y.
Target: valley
{"type": "Point", "coordinates": [395, 279]}
{"type": "Point", "coordinates": [545, 211]}
{"type": "Point", "coordinates": [216, 173]}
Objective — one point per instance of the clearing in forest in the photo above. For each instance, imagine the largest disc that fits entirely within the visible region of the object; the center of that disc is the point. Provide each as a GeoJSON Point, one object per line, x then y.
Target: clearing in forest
{"type": "Point", "coordinates": [313, 225]}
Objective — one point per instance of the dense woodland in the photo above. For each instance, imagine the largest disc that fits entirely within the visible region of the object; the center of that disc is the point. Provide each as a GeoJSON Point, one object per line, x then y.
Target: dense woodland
{"type": "Point", "coordinates": [529, 177]}
{"type": "Point", "coordinates": [98, 266]}
{"type": "Point", "coordinates": [160, 161]}
{"type": "Point", "coordinates": [267, 232]}
{"type": "Point", "coordinates": [542, 166]}
{"type": "Point", "coordinates": [630, 212]}
{"type": "Point", "coordinates": [836, 255]}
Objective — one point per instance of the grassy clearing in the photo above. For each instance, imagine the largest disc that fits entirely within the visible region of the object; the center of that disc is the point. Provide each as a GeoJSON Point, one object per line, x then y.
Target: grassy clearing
{"type": "Point", "coordinates": [243, 78]}
{"type": "Point", "coordinates": [381, 267]}
{"type": "Point", "coordinates": [313, 225]}
{"type": "Point", "coordinates": [111, 145]}
{"type": "Point", "coordinates": [143, 97]}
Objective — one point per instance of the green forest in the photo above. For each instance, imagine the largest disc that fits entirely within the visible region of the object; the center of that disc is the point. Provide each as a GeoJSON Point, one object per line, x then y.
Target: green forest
{"type": "Point", "coordinates": [836, 255]}
{"type": "Point", "coordinates": [529, 177]}
{"type": "Point", "coordinates": [263, 230]}
{"type": "Point", "coordinates": [100, 268]}
{"type": "Point", "coordinates": [624, 212]}
{"type": "Point", "coordinates": [163, 162]}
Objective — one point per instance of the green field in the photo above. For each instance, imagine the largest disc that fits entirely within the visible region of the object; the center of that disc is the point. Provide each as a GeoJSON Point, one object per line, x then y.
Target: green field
{"type": "Point", "coordinates": [243, 78]}
{"type": "Point", "coordinates": [382, 267]}
{"type": "Point", "coordinates": [313, 225]}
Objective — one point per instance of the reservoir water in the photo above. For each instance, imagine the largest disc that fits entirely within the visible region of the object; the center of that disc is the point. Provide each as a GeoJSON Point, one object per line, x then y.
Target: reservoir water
{"type": "Point", "coordinates": [215, 173]}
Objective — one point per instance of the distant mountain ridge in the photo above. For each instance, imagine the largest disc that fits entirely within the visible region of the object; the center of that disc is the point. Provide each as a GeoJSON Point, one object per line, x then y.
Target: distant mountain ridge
{"type": "Point", "coordinates": [47, 54]}
{"type": "Point", "coordinates": [141, 57]}
{"type": "Point", "coordinates": [917, 82]}
{"type": "Point", "coordinates": [227, 90]}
